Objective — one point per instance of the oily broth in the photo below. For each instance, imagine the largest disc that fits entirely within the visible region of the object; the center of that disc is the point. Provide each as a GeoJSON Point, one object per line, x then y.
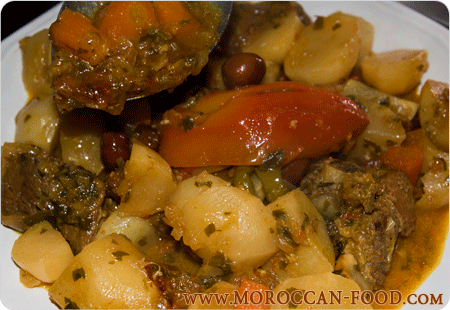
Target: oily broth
{"type": "Point", "coordinates": [418, 255]}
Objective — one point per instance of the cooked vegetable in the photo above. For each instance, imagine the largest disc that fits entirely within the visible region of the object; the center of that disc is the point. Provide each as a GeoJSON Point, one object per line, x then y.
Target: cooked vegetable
{"type": "Point", "coordinates": [433, 184]}
{"type": "Point", "coordinates": [75, 32]}
{"type": "Point", "coordinates": [433, 112]}
{"type": "Point", "coordinates": [129, 19]}
{"type": "Point", "coordinates": [324, 52]}
{"type": "Point", "coordinates": [385, 128]}
{"type": "Point", "coordinates": [242, 127]}
{"type": "Point", "coordinates": [43, 252]}
{"type": "Point", "coordinates": [302, 235]}
{"type": "Point", "coordinates": [138, 230]}
{"type": "Point", "coordinates": [273, 44]}
{"type": "Point", "coordinates": [38, 123]}
{"type": "Point", "coordinates": [176, 18]}
{"type": "Point", "coordinates": [367, 33]}
{"type": "Point", "coordinates": [81, 143]}
{"type": "Point", "coordinates": [316, 292]}
{"type": "Point", "coordinates": [404, 109]}
{"type": "Point", "coordinates": [221, 223]}
{"type": "Point", "coordinates": [405, 158]}
{"type": "Point", "coordinates": [395, 72]}
{"type": "Point", "coordinates": [243, 70]}
{"type": "Point", "coordinates": [108, 274]}
{"type": "Point", "coordinates": [148, 183]}
{"type": "Point", "coordinates": [36, 58]}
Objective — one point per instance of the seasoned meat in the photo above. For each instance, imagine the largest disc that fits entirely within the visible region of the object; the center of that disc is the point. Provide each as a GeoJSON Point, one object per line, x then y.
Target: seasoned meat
{"type": "Point", "coordinates": [36, 187]}
{"type": "Point", "coordinates": [366, 209]}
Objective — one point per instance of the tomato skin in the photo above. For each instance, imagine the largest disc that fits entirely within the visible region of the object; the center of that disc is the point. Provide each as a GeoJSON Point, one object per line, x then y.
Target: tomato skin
{"type": "Point", "coordinates": [246, 125]}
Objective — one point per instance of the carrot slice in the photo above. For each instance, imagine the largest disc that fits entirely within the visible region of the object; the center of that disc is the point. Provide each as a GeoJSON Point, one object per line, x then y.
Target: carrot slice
{"type": "Point", "coordinates": [407, 158]}
{"type": "Point", "coordinates": [75, 32]}
{"type": "Point", "coordinates": [255, 292]}
{"type": "Point", "coordinates": [129, 19]}
{"type": "Point", "coordinates": [175, 17]}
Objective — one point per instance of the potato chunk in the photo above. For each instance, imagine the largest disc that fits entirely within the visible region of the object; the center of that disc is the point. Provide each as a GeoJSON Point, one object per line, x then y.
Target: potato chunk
{"type": "Point", "coordinates": [319, 291]}
{"type": "Point", "coordinates": [325, 52]}
{"type": "Point", "coordinates": [273, 44]}
{"type": "Point", "coordinates": [137, 229]}
{"type": "Point", "coordinates": [36, 60]}
{"type": "Point", "coordinates": [433, 113]}
{"type": "Point", "coordinates": [38, 123]}
{"type": "Point", "coordinates": [107, 274]}
{"type": "Point", "coordinates": [43, 252]}
{"type": "Point", "coordinates": [220, 221]}
{"type": "Point", "coordinates": [395, 72]}
{"type": "Point", "coordinates": [303, 235]}
{"type": "Point", "coordinates": [148, 183]}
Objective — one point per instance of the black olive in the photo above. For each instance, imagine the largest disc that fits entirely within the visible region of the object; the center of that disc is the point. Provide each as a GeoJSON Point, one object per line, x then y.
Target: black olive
{"type": "Point", "coordinates": [242, 70]}
{"type": "Point", "coordinates": [115, 145]}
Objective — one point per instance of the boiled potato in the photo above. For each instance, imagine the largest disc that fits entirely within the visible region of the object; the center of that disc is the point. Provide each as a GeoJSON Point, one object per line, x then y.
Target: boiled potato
{"type": "Point", "coordinates": [38, 123]}
{"type": "Point", "coordinates": [433, 113]}
{"type": "Point", "coordinates": [273, 44]}
{"type": "Point", "coordinates": [43, 252]}
{"type": "Point", "coordinates": [221, 289]}
{"type": "Point", "coordinates": [385, 128]}
{"type": "Point", "coordinates": [395, 72]}
{"type": "Point", "coordinates": [148, 183]}
{"type": "Point", "coordinates": [316, 292]}
{"type": "Point", "coordinates": [367, 32]}
{"type": "Point", "coordinates": [214, 218]}
{"type": "Point", "coordinates": [324, 52]}
{"type": "Point", "coordinates": [137, 229]}
{"type": "Point", "coordinates": [303, 234]}
{"type": "Point", "coordinates": [36, 60]}
{"type": "Point", "coordinates": [107, 274]}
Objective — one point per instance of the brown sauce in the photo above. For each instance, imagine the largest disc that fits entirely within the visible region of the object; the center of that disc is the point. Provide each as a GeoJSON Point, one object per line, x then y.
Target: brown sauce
{"type": "Point", "coordinates": [417, 256]}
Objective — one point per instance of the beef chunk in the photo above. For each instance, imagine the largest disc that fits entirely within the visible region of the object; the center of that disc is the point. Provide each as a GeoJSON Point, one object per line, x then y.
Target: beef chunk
{"type": "Point", "coordinates": [366, 209]}
{"type": "Point", "coordinates": [36, 187]}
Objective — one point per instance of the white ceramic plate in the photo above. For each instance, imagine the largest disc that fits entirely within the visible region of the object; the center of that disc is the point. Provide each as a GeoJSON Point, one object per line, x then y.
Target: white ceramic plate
{"type": "Point", "coordinates": [396, 26]}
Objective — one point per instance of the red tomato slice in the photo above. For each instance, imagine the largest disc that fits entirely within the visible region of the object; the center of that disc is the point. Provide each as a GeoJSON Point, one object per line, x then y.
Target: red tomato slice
{"type": "Point", "coordinates": [242, 127]}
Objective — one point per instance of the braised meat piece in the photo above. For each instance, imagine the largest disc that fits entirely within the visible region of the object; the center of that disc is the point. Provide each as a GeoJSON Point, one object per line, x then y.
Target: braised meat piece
{"type": "Point", "coordinates": [366, 209]}
{"type": "Point", "coordinates": [36, 187]}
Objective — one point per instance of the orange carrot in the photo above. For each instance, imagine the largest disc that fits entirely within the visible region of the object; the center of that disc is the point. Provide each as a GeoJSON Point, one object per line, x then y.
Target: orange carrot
{"type": "Point", "coordinates": [251, 287]}
{"type": "Point", "coordinates": [129, 19]}
{"type": "Point", "coordinates": [175, 17]}
{"type": "Point", "coordinates": [75, 32]}
{"type": "Point", "coordinates": [407, 158]}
